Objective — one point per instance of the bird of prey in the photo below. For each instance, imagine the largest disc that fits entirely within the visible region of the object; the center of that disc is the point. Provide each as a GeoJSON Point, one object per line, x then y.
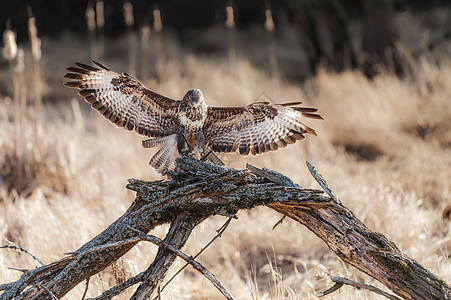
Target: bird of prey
{"type": "Point", "coordinates": [188, 126]}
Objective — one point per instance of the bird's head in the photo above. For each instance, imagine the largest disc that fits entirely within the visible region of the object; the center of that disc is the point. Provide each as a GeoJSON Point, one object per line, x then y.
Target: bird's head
{"type": "Point", "coordinates": [195, 97]}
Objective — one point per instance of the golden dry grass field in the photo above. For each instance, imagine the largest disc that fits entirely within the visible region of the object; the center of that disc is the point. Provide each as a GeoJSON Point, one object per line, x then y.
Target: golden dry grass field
{"type": "Point", "coordinates": [384, 147]}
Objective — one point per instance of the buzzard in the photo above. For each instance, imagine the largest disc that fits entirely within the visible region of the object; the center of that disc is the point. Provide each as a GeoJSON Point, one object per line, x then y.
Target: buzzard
{"type": "Point", "coordinates": [188, 126]}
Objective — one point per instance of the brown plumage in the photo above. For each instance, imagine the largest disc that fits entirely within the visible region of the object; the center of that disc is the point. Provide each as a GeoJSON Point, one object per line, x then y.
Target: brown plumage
{"type": "Point", "coordinates": [188, 126]}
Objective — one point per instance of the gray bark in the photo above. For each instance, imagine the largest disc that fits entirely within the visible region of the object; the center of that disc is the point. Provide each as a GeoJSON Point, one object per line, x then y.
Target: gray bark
{"type": "Point", "coordinates": [198, 190]}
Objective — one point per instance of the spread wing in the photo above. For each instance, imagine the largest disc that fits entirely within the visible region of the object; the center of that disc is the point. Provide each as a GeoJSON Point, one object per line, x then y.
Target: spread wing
{"type": "Point", "coordinates": [256, 128]}
{"type": "Point", "coordinates": [124, 101]}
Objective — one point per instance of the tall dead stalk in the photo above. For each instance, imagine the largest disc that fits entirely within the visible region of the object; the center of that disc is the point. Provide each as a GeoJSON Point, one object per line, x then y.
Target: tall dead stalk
{"type": "Point", "coordinates": [91, 24]}
{"type": "Point", "coordinates": [145, 53]}
{"type": "Point", "coordinates": [158, 29]}
{"type": "Point", "coordinates": [15, 56]}
{"type": "Point", "coordinates": [21, 104]}
{"type": "Point", "coordinates": [129, 22]}
{"type": "Point", "coordinates": [269, 27]}
{"type": "Point", "coordinates": [230, 24]}
{"type": "Point", "coordinates": [100, 19]}
{"type": "Point", "coordinates": [37, 78]}
{"type": "Point", "coordinates": [10, 53]}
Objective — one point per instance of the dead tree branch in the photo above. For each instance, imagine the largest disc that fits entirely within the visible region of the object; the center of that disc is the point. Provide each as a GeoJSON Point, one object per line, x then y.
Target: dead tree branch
{"type": "Point", "coordinates": [157, 241]}
{"type": "Point", "coordinates": [23, 250]}
{"type": "Point", "coordinates": [198, 190]}
{"type": "Point", "coordinates": [220, 232]}
{"type": "Point", "coordinates": [177, 236]}
{"type": "Point", "coordinates": [340, 281]}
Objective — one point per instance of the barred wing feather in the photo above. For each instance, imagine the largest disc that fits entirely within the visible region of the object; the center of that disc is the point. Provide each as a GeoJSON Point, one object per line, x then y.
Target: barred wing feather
{"type": "Point", "coordinates": [256, 128]}
{"type": "Point", "coordinates": [124, 101]}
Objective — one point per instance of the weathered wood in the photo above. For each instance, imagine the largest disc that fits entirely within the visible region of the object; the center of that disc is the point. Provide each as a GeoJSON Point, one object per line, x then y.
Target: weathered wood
{"type": "Point", "coordinates": [368, 251]}
{"type": "Point", "coordinates": [177, 236]}
{"type": "Point", "coordinates": [198, 190]}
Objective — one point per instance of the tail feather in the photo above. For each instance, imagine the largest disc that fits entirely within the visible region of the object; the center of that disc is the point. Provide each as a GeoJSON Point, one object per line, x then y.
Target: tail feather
{"type": "Point", "coordinates": [164, 141]}
{"type": "Point", "coordinates": [164, 159]}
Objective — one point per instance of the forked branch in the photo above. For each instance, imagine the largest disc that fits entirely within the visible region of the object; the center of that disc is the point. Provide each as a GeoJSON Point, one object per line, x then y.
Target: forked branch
{"type": "Point", "coordinates": [199, 190]}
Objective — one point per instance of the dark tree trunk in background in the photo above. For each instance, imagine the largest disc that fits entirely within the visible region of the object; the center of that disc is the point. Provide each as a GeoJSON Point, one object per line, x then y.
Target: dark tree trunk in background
{"type": "Point", "coordinates": [323, 26]}
{"type": "Point", "coordinates": [309, 34]}
{"type": "Point", "coordinates": [378, 34]}
{"type": "Point", "coordinates": [342, 55]}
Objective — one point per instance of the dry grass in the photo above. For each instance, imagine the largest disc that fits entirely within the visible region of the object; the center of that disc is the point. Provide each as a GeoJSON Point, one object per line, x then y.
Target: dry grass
{"type": "Point", "coordinates": [384, 148]}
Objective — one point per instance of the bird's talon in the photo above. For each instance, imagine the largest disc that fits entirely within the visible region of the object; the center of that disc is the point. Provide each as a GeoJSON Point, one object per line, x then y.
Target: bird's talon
{"type": "Point", "coordinates": [243, 177]}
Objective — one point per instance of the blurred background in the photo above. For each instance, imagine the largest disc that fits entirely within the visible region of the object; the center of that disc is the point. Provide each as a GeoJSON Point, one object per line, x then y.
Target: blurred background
{"type": "Point", "coordinates": [290, 37]}
{"type": "Point", "coordinates": [379, 72]}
